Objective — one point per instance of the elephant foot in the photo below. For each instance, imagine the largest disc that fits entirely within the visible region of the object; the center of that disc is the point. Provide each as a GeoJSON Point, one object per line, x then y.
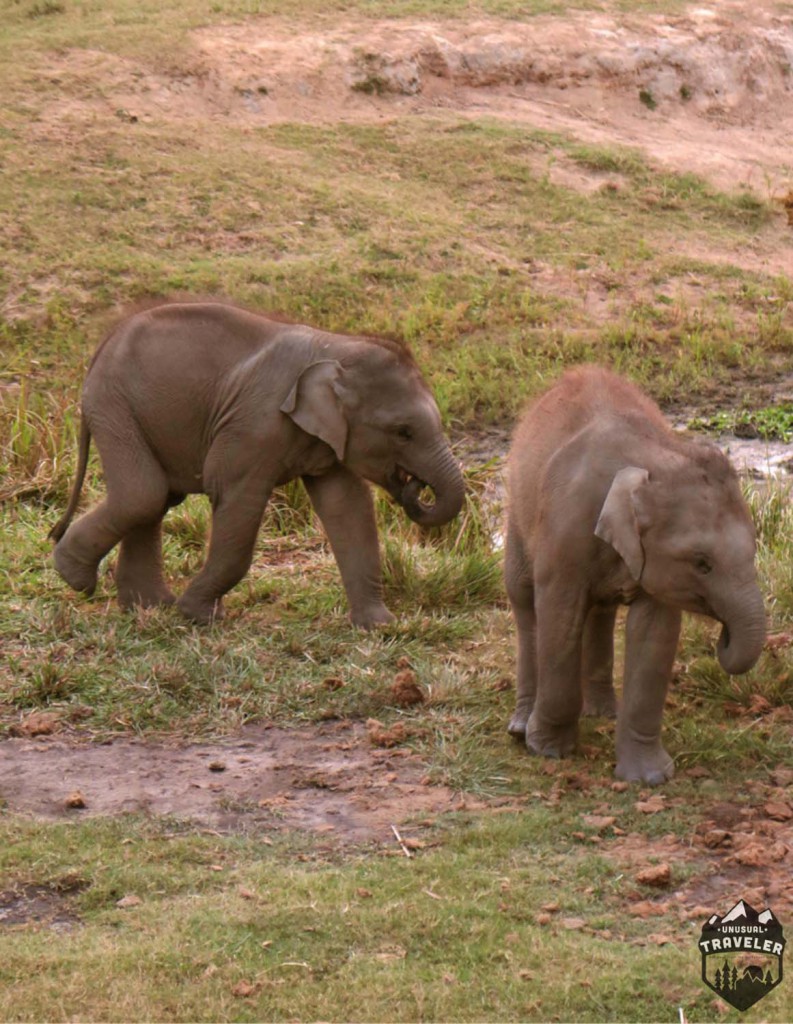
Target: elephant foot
{"type": "Point", "coordinates": [551, 740]}
{"type": "Point", "coordinates": [79, 576]}
{"type": "Point", "coordinates": [370, 618]}
{"type": "Point", "coordinates": [199, 610]}
{"type": "Point", "coordinates": [137, 597]}
{"type": "Point", "coordinates": [600, 701]}
{"type": "Point", "coordinates": [517, 725]}
{"type": "Point", "coordinates": [644, 763]}
{"type": "Point", "coordinates": [519, 721]}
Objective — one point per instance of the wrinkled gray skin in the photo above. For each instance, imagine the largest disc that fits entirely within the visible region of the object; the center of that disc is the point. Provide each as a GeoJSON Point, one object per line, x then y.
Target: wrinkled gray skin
{"type": "Point", "coordinates": [209, 398]}
{"type": "Point", "coordinates": [609, 506]}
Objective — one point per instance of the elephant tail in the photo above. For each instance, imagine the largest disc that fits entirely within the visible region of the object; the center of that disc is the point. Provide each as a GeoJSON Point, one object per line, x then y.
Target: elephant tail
{"type": "Point", "coordinates": [60, 527]}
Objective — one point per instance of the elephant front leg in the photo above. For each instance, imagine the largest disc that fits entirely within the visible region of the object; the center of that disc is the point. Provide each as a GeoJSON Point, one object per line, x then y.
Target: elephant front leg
{"type": "Point", "coordinates": [652, 633]}
{"type": "Point", "coordinates": [345, 507]}
{"type": "Point", "coordinates": [520, 590]}
{"type": "Point", "coordinates": [552, 729]}
{"type": "Point", "coordinates": [236, 518]}
{"type": "Point", "coordinates": [597, 669]}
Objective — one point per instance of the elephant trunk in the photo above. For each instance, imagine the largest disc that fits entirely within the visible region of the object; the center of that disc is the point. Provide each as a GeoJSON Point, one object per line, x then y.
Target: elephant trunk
{"type": "Point", "coordinates": [743, 631]}
{"type": "Point", "coordinates": [446, 481]}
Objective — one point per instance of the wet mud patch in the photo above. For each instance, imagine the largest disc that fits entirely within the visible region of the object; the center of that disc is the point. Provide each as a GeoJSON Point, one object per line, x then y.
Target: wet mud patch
{"type": "Point", "coordinates": [324, 779]}
{"type": "Point", "coordinates": [47, 905]}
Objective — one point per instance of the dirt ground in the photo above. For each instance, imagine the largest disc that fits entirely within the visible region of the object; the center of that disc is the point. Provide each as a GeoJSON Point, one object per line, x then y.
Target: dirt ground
{"type": "Point", "coordinates": [327, 778]}
{"type": "Point", "coordinates": [707, 91]}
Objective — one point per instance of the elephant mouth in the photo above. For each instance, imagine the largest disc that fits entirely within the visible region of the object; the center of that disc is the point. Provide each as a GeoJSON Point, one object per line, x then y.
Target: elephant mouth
{"type": "Point", "coordinates": [406, 488]}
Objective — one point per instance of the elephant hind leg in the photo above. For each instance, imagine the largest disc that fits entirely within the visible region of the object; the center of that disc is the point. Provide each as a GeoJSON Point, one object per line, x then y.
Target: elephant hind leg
{"type": "Point", "coordinates": [139, 573]}
{"type": "Point", "coordinates": [597, 668]}
{"type": "Point", "coordinates": [137, 494]}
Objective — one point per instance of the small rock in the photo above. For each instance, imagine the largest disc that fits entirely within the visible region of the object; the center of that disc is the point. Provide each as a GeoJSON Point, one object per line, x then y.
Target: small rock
{"type": "Point", "coordinates": [75, 800]}
{"type": "Point", "coordinates": [217, 766]}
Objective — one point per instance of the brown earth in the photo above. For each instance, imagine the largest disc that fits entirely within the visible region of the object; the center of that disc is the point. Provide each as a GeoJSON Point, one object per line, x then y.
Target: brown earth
{"type": "Point", "coordinates": [709, 91]}
{"type": "Point", "coordinates": [327, 778]}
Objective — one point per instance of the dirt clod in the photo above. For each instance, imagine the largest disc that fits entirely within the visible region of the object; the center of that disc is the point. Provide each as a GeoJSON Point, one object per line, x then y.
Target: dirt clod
{"type": "Point", "coordinates": [129, 901]}
{"type": "Point", "coordinates": [75, 800]}
{"type": "Point", "coordinates": [778, 810]}
{"type": "Point", "coordinates": [405, 690]}
{"type": "Point", "coordinates": [386, 736]}
{"type": "Point", "coordinates": [652, 805]}
{"type": "Point", "coordinates": [657, 875]}
{"type": "Point", "coordinates": [37, 723]}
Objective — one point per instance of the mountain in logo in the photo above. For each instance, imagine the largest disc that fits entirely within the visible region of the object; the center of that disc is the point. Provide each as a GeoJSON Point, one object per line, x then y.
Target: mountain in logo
{"type": "Point", "coordinates": [741, 913]}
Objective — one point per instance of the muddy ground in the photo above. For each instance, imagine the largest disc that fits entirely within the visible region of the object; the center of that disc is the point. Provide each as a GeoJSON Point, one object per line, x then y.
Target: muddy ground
{"type": "Point", "coordinates": [327, 778]}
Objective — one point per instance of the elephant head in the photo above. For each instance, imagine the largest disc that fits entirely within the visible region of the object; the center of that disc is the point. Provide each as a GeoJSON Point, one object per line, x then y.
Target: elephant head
{"type": "Point", "coordinates": [687, 538]}
{"type": "Point", "coordinates": [370, 404]}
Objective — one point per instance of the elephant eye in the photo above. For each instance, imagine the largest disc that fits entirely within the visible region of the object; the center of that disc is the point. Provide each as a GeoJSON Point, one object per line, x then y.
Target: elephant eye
{"type": "Point", "coordinates": [702, 565]}
{"type": "Point", "coordinates": [404, 432]}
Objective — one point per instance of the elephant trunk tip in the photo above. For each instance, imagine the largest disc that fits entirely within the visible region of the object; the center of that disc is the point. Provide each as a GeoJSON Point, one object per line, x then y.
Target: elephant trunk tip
{"type": "Point", "coordinates": [444, 506]}
{"type": "Point", "coordinates": [737, 658]}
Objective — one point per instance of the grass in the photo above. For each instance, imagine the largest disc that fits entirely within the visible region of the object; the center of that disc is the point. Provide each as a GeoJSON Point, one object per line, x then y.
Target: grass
{"type": "Point", "coordinates": [459, 236]}
{"type": "Point", "coordinates": [444, 936]}
{"type": "Point", "coordinates": [773, 423]}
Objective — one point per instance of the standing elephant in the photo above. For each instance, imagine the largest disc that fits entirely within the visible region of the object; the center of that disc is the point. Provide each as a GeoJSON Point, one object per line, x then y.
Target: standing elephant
{"type": "Point", "coordinates": [607, 506]}
{"type": "Point", "coordinates": [210, 398]}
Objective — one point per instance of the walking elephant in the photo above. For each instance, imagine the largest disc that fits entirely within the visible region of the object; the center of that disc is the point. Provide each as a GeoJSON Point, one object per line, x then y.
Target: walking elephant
{"type": "Point", "coordinates": [607, 506]}
{"type": "Point", "coordinates": [209, 398]}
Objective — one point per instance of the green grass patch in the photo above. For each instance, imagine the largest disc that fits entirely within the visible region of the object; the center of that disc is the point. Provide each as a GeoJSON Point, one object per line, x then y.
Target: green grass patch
{"type": "Point", "coordinates": [773, 423]}
{"type": "Point", "coordinates": [233, 929]}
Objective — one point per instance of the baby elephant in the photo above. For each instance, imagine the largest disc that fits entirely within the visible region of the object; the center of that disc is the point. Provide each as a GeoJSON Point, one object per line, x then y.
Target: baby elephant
{"type": "Point", "coordinates": [210, 398]}
{"type": "Point", "coordinates": [608, 506]}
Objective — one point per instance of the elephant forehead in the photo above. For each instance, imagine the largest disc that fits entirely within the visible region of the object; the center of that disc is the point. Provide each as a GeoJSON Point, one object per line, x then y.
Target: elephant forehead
{"type": "Point", "coordinates": [405, 401]}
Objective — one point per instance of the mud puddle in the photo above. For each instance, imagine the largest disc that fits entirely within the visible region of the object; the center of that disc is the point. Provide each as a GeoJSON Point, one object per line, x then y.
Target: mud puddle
{"type": "Point", "coordinates": [325, 779]}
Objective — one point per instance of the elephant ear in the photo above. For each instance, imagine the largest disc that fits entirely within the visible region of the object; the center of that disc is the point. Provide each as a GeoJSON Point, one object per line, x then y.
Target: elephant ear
{"type": "Point", "coordinates": [313, 404]}
{"type": "Point", "coordinates": [618, 523]}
